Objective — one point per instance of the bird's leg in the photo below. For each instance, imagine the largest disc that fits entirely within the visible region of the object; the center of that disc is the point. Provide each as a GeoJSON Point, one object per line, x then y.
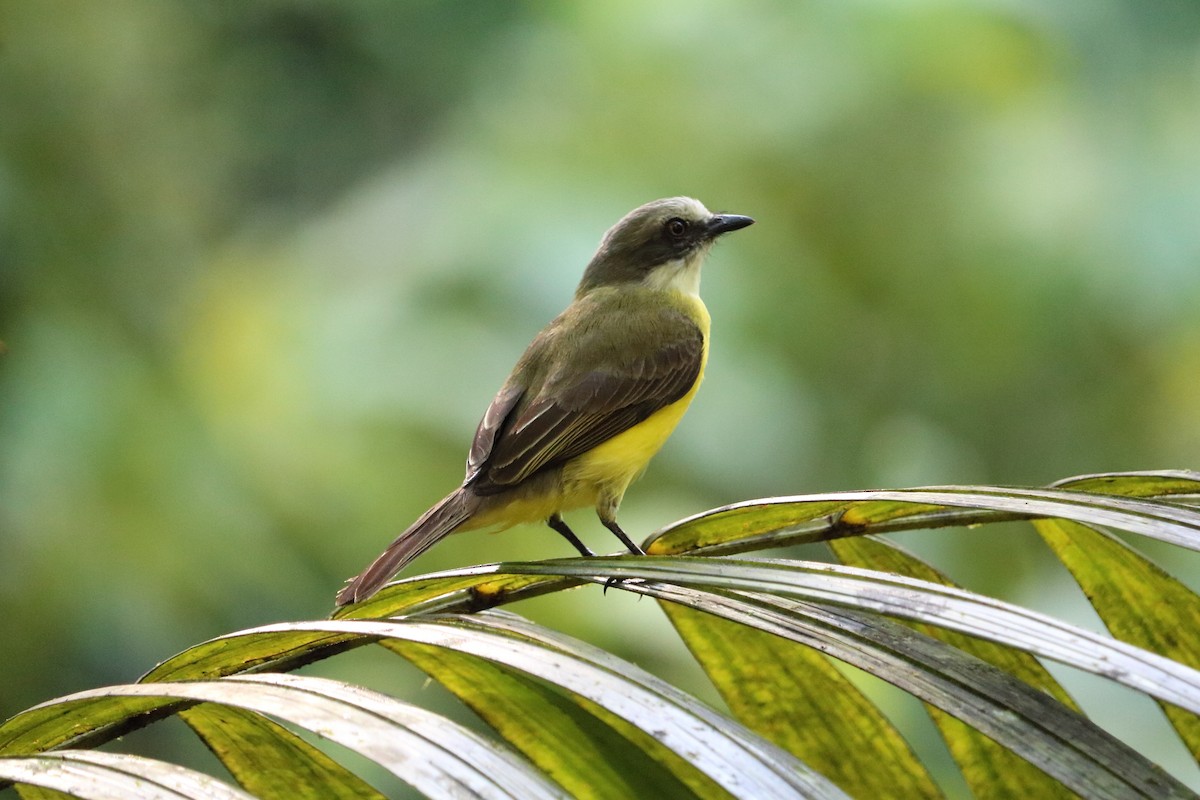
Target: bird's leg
{"type": "Point", "coordinates": [608, 515]}
{"type": "Point", "coordinates": [612, 525]}
{"type": "Point", "coordinates": [606, 510]}
{"type": "Point", "coordinates": [556, 522]}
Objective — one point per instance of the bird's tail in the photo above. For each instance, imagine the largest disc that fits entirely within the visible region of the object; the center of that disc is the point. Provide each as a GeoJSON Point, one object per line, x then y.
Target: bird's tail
{"type": "Point", "coordinates": [439, 521]}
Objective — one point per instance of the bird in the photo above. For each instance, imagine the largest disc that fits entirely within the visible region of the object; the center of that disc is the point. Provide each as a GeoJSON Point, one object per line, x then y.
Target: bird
{"type": "Point", "coordinates": [594, 396]}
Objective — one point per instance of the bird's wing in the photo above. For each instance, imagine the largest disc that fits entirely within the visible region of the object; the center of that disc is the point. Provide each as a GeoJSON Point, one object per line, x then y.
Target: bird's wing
{"type": "Point", "coordinates": [521, 434]}
{"type": "Point", "coordinates": [497, 414]}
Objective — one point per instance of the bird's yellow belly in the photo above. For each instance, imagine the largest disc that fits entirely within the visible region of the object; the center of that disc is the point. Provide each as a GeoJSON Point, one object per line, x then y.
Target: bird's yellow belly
{"type": "Point", "coordinates": [610, 467]}
{"type": "Point", "coordinates": [605, 471]}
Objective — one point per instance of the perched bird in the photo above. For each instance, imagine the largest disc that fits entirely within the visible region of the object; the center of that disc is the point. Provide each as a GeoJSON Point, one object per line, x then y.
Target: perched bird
{"type": "Point", "coordinates": [595, 395]}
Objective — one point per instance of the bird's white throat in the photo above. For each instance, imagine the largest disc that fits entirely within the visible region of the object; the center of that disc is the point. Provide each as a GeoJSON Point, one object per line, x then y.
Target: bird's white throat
{"type": "Point", "coordinates": [680, 275]}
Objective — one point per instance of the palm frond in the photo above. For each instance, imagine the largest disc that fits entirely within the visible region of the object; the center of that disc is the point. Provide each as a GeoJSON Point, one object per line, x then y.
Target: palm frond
{"type": "Point", "coordinates": [571, 720]}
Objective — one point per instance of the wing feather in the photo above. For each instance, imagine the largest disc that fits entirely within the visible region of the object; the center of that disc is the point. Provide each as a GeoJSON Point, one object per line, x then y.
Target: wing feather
{"type": "Point", "coordinates": [489, 427]}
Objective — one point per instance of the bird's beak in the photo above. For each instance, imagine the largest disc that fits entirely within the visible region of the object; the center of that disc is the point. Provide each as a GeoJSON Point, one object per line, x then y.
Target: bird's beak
{"type": "Point", "coordinates": [724, 223]}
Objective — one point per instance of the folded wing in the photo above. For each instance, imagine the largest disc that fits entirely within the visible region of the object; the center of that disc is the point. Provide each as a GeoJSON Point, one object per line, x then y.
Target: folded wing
{"type": "Point", "coordinates": [529, 429]}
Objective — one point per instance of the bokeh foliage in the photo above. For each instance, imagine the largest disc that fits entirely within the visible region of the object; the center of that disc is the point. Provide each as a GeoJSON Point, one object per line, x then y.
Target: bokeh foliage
{"type": "Point", "coordinates": [263, 264]}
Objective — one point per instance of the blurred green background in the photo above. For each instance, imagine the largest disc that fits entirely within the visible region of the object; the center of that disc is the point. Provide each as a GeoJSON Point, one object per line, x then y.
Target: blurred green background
{"type": "Point", "coordinates": [263, 264]}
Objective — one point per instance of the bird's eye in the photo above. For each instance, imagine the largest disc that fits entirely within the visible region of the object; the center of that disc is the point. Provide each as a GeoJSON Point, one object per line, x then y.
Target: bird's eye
{"type": "Point", "coordinates": [676, 227]}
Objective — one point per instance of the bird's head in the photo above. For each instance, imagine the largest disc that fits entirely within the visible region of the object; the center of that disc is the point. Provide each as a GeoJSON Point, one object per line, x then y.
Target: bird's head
{"type": "Point", "coordinates": [660, 244]}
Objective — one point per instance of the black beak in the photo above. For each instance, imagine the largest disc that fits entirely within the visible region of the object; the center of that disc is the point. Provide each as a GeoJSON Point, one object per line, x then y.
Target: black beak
{"type": "Point", "coordinates": [724, 223]}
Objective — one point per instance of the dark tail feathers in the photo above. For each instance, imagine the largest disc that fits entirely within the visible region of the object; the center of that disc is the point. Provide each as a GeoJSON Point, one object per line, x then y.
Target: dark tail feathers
{"type": "Point", "coordinates": [439, 521]}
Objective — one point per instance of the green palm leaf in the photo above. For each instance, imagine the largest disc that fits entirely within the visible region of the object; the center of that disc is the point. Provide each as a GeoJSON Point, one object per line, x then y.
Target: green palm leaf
{"type": "Point", "coordinates": [569, 719]}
